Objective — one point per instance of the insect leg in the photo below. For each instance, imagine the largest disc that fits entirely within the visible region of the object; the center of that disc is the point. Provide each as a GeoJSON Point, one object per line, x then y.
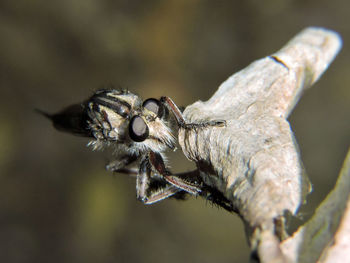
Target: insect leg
{"type": "Point", "coordinates": [174, 109]}
{"type": "Point", "coordinates": [157, 162]}
{"type": "Point", "coordinates": [120, 163]}
{"type": "Point", "coordinates": [181, 121]}
{"type": "Point", "coordinates": [150, 190]}
{"type": "Point", "coordinates": [207, 192]}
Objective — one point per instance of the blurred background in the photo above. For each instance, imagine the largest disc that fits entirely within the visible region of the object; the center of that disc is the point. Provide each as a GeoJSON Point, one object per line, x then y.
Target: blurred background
{"type": "Point", "coordinates": [57, 203]}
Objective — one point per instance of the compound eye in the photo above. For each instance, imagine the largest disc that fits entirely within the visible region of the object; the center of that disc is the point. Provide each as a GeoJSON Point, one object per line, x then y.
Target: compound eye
{"type": "Point", "coordinates": [138, 129]}
{"type": "Point", "coordinates": [152, 105]}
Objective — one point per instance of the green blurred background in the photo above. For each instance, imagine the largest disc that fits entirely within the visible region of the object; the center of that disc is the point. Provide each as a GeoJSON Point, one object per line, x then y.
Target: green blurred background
{"type": "Point", "coordinates": [57, 203]}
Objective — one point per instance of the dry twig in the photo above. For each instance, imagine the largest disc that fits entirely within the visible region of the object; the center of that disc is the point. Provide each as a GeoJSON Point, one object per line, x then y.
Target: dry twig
{"type": "Point", "coordinates": [254, 160]}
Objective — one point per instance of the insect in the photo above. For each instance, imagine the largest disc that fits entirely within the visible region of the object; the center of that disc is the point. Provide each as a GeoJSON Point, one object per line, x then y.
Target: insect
{"type": "Point", "coordinates": [138, 131]}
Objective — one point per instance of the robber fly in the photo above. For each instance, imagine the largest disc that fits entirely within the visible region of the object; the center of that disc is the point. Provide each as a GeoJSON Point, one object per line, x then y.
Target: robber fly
{"type": "Point", "coordinates": [138, 131]}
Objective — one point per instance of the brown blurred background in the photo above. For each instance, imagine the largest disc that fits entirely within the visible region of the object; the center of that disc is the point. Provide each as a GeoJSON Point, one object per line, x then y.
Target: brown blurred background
{"type": "Point", "coordinates": [57, 203]}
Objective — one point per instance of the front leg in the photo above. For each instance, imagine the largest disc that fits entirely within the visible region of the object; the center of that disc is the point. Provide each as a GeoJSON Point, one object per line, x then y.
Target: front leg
{"type": "Point", "coordinates": [157, 162]}
{"type": "Point", "coordinates": [119, 165]}
{"type": "Point", "coordinates": [181, 121]}
{"type": "Point", "coordinates": [151, 190]}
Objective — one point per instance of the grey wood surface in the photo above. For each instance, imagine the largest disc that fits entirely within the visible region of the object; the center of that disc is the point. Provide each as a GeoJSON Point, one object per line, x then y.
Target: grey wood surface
{"type": "Point", "coordinates": [254, 160]}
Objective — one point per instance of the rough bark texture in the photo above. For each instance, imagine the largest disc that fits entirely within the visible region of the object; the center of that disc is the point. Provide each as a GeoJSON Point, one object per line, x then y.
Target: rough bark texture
{"type": "Point", "coordinates": [326, 236]}
{"type": "Point", "coordinates": [254, 160]}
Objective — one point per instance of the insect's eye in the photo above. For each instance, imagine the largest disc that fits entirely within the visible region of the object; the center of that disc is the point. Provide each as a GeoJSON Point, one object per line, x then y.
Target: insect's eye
{"type": "Point", "coordinates": [138, 129]}
{"type": "Point", "coordinates": [153, 105]}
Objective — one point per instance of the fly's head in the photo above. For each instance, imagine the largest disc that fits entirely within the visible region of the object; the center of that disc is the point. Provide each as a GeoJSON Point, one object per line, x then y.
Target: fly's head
{"type": "Point", "coordinates": [120, 119]}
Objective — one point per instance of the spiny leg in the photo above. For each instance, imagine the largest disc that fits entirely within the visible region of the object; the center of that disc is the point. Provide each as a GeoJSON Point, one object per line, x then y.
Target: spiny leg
{"type": "Point", "coordinates": [133, 172]}
{"type": "Point", "coordinates": [157, 162]}
{"type": "Point", "coordinates": [150, 190]}
{"type": "Point", "coordinates": [162, 193]}
{"type": "Point", "coordinates": [143, 180]}
{"type": "Point", "coordinates": [191, 182]}
{"type": "Point", "coordinates": [119, 165]}
{"type": "Point", "coordinates": [168, 102]}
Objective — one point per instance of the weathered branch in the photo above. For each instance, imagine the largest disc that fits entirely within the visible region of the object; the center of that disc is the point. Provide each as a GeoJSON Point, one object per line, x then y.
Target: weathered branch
{"type": "Point", "coordinates": [326, 236]}
{"type": "Point", "coordinates": [254, 160]}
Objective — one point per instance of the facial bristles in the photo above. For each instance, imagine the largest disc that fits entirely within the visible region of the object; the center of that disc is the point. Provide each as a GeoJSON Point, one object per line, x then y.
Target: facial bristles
{"type": "Point", "coordinates": [160, 136]}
